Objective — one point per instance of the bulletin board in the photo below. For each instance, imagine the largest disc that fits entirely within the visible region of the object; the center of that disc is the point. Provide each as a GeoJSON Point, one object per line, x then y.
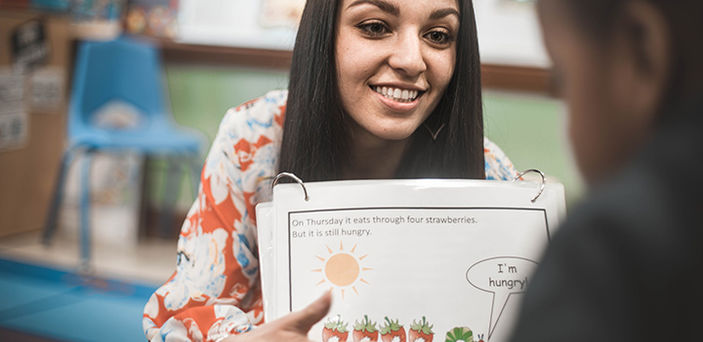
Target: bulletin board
{"type": "Point", "coordinates": [33, 89]}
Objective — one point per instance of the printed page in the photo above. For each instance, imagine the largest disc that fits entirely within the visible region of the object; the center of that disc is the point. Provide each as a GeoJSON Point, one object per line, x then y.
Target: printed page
{"type": "Point", "coordinates": [410, 260]}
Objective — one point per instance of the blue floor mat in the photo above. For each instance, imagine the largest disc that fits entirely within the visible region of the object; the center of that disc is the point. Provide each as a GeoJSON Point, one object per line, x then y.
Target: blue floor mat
{"type": "Point", "coordinates": [65, 306]}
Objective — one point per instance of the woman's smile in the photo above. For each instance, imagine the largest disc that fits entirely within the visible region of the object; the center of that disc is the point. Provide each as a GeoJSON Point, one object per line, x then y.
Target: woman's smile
{"type": "Point", "coordinates": [398, 99]}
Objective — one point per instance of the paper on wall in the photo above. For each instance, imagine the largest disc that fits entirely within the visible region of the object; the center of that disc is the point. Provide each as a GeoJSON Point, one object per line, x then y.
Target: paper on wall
{"type": "Point", "coordinates": [46, 90]}
{"type": "Point", "coordinates": [14, 120]}
{"type": "Point", "coordinates": [285, 13]}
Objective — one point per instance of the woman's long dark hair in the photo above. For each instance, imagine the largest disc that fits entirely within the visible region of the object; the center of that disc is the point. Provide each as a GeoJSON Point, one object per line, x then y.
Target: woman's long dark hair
{"type": "Point", "coordinates": [316, 142]}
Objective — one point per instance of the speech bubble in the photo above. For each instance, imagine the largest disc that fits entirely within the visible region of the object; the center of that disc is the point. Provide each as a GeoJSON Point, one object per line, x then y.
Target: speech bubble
{"type": "Point", "coordinates": [501, 276]}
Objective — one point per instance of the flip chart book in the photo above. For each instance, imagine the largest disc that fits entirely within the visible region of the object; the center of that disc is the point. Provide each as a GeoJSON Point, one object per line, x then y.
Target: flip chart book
{"type": "Point", "coordinates": [406, 260]}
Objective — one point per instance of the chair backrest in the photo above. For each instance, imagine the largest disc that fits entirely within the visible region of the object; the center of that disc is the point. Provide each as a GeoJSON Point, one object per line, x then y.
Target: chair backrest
{"type": "Point", "coordinates": [121, 70]}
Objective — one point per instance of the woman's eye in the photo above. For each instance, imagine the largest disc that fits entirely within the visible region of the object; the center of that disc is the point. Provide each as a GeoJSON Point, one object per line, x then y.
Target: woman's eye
{"type": "Point", "coordinates": [373, 29]}
{"type": "Point", "coordinates": [438, 37]}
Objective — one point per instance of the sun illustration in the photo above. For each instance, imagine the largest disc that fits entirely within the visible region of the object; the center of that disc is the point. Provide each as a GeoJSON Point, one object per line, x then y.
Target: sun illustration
{"type": "Point", "coordinates": [342, 269]}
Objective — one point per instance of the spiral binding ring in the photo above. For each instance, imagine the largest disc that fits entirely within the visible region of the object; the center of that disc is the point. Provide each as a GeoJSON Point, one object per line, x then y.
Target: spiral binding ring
{"type": "Point", "coordinates": [541, 187]}
{"type": "Point", "coordinates": [293, 177]}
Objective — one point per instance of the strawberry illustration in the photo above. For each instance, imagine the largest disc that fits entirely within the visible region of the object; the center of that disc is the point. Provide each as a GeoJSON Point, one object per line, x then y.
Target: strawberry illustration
{"type": "Point", "coordinates": [420, 331]}
{"type": "Point", "coordinates": [391, 331]}
{"type": "Point", "coordinates": [365, 331]}
{"type": "Point", "coordinates": [335, 330]}
{"type": "Point", "coordinates": [458, 334]}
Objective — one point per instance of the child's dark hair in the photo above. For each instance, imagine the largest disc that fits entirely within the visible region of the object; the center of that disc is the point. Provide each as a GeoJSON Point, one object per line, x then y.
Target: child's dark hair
{"type": "Point", "coordinates": [599, 18]}
{"type": "Point", "coordinates": [315, 140]}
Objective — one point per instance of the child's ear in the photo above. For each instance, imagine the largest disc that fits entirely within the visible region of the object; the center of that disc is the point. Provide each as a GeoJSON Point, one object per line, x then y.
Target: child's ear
{"type": "Point", "coordinates": [647, 37]}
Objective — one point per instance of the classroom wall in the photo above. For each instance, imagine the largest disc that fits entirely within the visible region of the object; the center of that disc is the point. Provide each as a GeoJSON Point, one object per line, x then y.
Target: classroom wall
{"type": "Point", "coordinates": [528, 127]}
{"type": "Point", "coordinates": [531, 130]}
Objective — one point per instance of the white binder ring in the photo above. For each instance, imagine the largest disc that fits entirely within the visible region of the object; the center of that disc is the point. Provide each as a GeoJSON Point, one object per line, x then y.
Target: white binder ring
{"type": "Point", "coordinates": [295, 178]}
{"type": "Point", "coordinates": [541, 187]}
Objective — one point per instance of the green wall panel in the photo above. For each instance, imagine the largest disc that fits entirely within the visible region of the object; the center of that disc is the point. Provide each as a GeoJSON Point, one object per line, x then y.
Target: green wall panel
{"type": "Point", "coordinates": [531, 132]}
{"type": "Point", "coordinates": [201, 95]}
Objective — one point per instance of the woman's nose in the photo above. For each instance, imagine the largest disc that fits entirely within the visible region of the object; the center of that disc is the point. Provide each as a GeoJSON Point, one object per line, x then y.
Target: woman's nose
{"type": "Point", "coordinates": [407, 56]}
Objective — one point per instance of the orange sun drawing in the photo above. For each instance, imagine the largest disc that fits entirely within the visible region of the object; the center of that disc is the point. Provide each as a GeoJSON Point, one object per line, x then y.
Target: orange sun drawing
{"type": "Point", "coordinates": [342, 269]}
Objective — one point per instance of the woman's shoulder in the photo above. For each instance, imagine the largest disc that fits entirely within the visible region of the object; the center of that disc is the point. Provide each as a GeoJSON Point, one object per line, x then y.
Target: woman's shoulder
{"type": "Point", "coordinates": [258, 115]}
{"type": "Point", "coordinates": [497, 165]}
{"type": "Point", "coordinates": [247, 144]}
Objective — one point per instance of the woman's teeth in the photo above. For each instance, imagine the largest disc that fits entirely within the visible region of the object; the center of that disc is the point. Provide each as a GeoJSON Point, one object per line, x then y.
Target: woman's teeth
{"type": "Point", "coordinates": [397, 94]}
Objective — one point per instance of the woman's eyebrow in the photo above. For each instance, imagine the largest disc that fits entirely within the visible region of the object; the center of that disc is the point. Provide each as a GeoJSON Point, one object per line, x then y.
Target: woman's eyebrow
{"type": "Point", "coordinates": [441, 13]}
{"type": "Point", "coordinates": [383, 5]}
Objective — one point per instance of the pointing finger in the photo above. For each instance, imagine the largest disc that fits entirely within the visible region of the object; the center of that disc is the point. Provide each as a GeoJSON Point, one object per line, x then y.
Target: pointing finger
{"type": "Point", "coordinates": [304, 319]}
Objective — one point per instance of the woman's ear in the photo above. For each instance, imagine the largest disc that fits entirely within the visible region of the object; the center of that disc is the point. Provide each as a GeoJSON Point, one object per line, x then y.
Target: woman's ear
{"type": "Point", "coordinates": [647, 44]}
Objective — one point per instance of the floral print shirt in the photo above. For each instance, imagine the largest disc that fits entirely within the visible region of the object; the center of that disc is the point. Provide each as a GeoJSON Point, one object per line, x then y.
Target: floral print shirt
{"type": "Point", "coordinates": [215, 291]}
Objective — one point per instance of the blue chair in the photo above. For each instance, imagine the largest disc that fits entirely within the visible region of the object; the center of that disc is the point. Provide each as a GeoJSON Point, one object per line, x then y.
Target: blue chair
{"type": "Point", "coordinates": [126, 71]}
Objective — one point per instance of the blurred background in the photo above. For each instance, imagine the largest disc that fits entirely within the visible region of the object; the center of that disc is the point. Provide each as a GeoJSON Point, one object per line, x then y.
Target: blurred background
{"type": "Point", "coordinates": [108, 107]}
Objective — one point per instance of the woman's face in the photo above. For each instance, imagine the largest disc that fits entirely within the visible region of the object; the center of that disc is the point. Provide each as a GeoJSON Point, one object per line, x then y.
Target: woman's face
{"type": "Point", "coordinates": [394, 61]}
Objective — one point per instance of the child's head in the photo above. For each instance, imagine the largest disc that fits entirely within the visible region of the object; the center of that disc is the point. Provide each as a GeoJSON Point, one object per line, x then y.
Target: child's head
{"type": "Point", "coordinates": [621, 63]}
{"type": "Point", "coordinates": [348, 51]}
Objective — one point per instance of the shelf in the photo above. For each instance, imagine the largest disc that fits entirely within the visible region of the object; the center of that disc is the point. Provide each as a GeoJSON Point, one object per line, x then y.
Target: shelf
{"type": "Point", "coordinates": [224, 55]}
{"type": "Point", "coordinates": [518, 78]}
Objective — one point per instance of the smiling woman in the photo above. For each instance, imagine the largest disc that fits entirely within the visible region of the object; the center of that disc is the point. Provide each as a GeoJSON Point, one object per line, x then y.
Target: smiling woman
{"type": "Point", "coordinates": [384, 55]}
{"type": "Point", "coordinates": [378, 89]}
{"type": "Point", "coordinates": [356, 64]}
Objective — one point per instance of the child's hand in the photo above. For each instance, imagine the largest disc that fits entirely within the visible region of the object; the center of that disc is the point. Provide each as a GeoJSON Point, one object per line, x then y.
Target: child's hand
{"type": "Point", "coordinates": [292, 327]}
